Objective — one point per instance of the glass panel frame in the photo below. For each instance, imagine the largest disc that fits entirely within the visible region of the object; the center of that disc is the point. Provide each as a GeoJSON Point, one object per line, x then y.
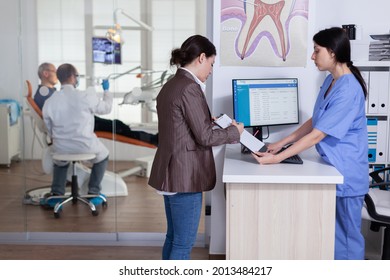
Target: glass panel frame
{"type": "Point", "coordinates": [62, 36]}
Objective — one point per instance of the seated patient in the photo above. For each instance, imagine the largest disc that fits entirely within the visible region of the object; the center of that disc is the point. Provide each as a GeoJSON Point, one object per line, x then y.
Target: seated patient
{"type": "Point", "coordinates": [122, 129]}
{"type": "Point", "coordinates": [48, 77]}
{"type": "Point", "coordinates": [68, 115]}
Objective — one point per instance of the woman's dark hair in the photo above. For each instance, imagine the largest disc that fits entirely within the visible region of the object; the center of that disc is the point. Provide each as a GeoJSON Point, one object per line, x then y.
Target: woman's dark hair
{"type": "Point", "coordinates": [335, 39]}
{"type": "Point", "coordinates": [191, 49]}
{"type": "Point", "coordinates": [65, 71]}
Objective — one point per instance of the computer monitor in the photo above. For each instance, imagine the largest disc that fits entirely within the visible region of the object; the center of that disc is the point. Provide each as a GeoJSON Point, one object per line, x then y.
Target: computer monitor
{"type": "Point", "coordinates": [106, 51]}
{"type": "Point", "coordinates": [265, 102]}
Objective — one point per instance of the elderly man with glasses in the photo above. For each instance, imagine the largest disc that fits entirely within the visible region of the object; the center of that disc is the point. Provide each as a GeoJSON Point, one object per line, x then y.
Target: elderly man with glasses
{"type": "Point", "coordinates": [47, 75]}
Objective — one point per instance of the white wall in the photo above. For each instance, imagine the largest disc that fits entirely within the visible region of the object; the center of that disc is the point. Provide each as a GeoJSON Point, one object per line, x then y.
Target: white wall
{"type": "Point", "coordinates": [370, 17]}
{"type": "Point", "coordinates": [18, 53]}
{"type": "Point", "coordinates": [322, 14]}
{"type": "Point", "coordinates": [9, 55]}
{"type": "Point", "coordinates": [373, 16]}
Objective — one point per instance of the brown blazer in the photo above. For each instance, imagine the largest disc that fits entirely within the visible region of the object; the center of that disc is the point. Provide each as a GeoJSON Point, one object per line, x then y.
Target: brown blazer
{"type": "Point", "coordinates": [184, 160]}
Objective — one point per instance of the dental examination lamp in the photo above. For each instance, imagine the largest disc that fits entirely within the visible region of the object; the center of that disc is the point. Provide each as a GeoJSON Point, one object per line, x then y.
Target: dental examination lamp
{"type": "Point", "coordinates": [114, 33]}
{"type": "Point", "coordinates": [142, 25]}
{"type": "Point", "coordinates": [141, 96]}
{"type": "Point", "coordinates": [147, 93]}
{"type": "Point", "coordinates": [115, 76]}
{"type": "Point", "coordinates": [138, 96]}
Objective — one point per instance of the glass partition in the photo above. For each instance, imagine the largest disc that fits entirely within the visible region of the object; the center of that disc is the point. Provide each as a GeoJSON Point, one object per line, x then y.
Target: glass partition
{"type": "Point", "coordinates": [82, 33]}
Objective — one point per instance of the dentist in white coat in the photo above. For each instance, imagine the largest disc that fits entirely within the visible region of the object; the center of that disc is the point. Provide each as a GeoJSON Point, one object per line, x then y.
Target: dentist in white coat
{"type": "Point", "coordinates": [69, 117]}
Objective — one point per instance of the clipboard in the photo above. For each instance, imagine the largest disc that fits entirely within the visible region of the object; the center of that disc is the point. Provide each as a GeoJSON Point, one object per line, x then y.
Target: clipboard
{"type": "Point", "coordinates": [247, 139]}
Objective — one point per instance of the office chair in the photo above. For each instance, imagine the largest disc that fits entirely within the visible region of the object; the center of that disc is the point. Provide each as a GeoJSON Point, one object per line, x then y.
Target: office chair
{"type": "Point", "coordinates": [377, 208]}
{"type": "Point", "coordinates": [75, 197]}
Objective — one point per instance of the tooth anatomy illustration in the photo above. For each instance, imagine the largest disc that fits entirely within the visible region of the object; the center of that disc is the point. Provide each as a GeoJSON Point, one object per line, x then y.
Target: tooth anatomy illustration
{"type": "Point", "coordinates": [262, 10]}
{"type": "Point", "coordinates": [276, 30]}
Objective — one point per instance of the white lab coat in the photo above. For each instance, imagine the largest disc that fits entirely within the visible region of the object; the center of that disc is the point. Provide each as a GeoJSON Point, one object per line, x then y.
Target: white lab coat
{"type": "Point", "coordinates": [69, 117]}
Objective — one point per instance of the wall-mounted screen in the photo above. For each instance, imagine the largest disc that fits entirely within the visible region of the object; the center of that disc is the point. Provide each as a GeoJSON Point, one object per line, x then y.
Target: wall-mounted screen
{"type": "Point", "coordinates": [106, 51]}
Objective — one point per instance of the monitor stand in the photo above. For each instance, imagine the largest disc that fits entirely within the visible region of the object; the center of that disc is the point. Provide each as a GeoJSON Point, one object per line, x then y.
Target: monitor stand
{"type": "Point", "coordinates": [257, 131]}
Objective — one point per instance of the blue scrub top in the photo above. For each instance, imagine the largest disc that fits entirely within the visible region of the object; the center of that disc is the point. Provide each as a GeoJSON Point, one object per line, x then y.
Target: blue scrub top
{"type": "Point", "coordinates": [341, 115]}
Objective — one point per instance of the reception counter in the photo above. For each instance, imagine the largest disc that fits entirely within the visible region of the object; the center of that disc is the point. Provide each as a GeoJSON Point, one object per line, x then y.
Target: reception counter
{"type": "Point", "coordinates": [280, 211]}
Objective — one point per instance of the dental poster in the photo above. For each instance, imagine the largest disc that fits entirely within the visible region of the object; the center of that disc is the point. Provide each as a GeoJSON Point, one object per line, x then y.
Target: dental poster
{"type": "Point", "coordinates": [264, 33]}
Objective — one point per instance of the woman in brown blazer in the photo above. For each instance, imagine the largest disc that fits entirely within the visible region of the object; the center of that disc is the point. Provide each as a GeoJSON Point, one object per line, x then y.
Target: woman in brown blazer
{"type": "Point", "coordinates": [184, 164]}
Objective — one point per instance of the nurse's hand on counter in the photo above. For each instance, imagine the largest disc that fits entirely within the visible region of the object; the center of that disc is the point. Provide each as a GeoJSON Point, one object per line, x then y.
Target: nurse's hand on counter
{"type": "Point", "coordinates": [273, 148]}
{"type": "Point", "coordinates": [266, 158]}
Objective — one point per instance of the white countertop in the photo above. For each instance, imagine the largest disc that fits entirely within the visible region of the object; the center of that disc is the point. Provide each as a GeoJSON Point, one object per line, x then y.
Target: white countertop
{"type": "Point", "coordinates": [243, 168]}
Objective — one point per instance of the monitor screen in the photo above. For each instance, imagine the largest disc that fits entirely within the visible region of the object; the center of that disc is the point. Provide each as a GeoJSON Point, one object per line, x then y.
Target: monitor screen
{"type": "Point", "coordinates": [265, 102]}
{"type": "Point", "coordinates": [106, 51]}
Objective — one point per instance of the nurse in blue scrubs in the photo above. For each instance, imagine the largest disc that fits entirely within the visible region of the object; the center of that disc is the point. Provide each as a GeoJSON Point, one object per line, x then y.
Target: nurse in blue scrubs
{"type": "Point", "coordinates": [338, 129]}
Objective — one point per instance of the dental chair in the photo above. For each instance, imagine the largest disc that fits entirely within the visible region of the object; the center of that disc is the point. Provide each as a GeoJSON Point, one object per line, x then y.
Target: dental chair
{"type": "Point", "coordinates": [376, 208]}
{"type": "Point", "coordinates": [145, 95]}
{"type": "Point", "coordinates": [123, 139]}
{"type": "Point", "coordinates": [142, 165]}
{"type": "Point", "coordinates": [112, 183]}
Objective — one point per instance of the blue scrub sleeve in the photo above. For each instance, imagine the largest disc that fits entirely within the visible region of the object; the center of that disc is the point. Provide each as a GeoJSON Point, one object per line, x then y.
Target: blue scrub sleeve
{"type": "Point", "coordinates": [338, 115]}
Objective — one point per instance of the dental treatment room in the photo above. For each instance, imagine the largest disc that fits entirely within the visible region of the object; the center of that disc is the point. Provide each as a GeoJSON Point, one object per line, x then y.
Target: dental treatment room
{"type": "Point", "coordinates": [273, 113]}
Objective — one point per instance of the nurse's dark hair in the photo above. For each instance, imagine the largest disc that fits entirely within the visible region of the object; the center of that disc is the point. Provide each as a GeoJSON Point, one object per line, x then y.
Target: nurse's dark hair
{"type": "Point", "coordinates": [65, 71]}
{"type": "Point", "coordinates": [191, 49]}
{"type": "Point", "coordinates": [335, 39]}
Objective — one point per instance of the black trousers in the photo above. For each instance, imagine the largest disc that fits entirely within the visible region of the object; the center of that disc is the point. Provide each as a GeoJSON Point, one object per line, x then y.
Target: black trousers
{"type": "Point", "coordinates": [118, 127]}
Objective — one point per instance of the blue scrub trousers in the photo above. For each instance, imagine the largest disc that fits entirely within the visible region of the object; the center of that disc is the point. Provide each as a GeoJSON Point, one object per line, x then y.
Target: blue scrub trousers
{"type": "Point", "coordinates": [349, 241]}
{"type": "Point", "coordinates": [183, 212]}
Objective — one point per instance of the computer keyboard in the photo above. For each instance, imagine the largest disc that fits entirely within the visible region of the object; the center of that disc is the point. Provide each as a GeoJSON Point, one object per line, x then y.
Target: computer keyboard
{"type": "Point", "coordinates": [295, 159]}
